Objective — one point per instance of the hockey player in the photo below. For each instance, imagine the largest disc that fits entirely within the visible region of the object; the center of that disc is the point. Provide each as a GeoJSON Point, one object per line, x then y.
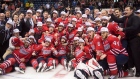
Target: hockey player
{"type": "Point", "coordinates": [80, 54]}
{"type": "Point", "coordinates": [74, 23]}
{"type": "Point", "coordinates": [71, 32]}
{"type": "Point", "coordinates": [115, 55]}
{"type": "Point", "coordinates": [112, 27]}
{"type": "Point", "coordinates": [48, 34]}
{"type": "Point", "coordinates": [78, 17]}
{"type": "Point", "coordinates": [37, 17]}
{"type": "Point", "coordinates": [45, 60]}
{"type": "Point", "coordinates": [62, 49]}
{"type": "Point", "coordinates": [20, 55]}
{"type": "Point", "coordinates": [89, 69]}
{"type": "Point", "coordinates": [11, 46]}
{"type": "Point", "coordinates": [63, 18]}
{"type": "Point", "coordinates": [94, 41]}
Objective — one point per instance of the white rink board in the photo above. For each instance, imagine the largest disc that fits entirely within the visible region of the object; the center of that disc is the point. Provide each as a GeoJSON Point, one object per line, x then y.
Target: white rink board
{"type": "Point", "coordinates": [58, 73]}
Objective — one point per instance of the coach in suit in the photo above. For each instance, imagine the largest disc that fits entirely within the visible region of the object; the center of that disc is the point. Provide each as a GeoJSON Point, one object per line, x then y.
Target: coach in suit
{"type": "Point", "coordinates": [26, 23]}
{"type": "Point", "coordinates": [5, 34]}
{"type": "Point", "coordinates": [131, 29]}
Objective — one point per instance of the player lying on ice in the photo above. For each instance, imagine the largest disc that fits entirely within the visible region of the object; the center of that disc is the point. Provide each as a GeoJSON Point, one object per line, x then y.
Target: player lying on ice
{"type": "Point", "coordinates": [19, 57]}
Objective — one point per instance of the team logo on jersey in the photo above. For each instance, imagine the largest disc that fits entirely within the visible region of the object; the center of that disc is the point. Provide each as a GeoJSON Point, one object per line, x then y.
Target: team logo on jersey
{"type": "Point", "coordinates": [71, 36]}
{"type": "Point", "coordinates": [23, 51]}
{"type": "Point", "coordinates": [106, 47]}
{"type": "Point", "coordinates": [62, 52]}
{"type": "Point", "coordinates": [46, 51]}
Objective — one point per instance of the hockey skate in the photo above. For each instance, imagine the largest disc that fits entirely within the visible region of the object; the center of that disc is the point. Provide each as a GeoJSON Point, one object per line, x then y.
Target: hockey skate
{"type": "Point", "coordinates": [39, 67]}
{"type": "Point", "coordinates": [49, 68]}
{"type": "Point", "coordinates": [20, 70]}
{"type": "Point", "coordinates": [80, 75]}
{"type": "Point", "coordinates": [65, 65]}
{"type": "Point", "coordinates": [113, 77]}
{"type": "Point", "coordinates": [44, 67]}
{"type": "Point", "coordinates": [69, 66]}
{"type": "Point", "coordinates": [2, 72]}
{"type": "Point", "coordinates": [130, 73]}
{"type": "Point", "coordinates": [54, 64]}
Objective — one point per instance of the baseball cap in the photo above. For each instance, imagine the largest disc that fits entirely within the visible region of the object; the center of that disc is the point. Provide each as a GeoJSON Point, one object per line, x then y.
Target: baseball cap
{"type": "Point", "coordinates": [97, 19]}
{"type": "Point", "coordinates": [79, 12]}
{"type": "Point", "coordinates": [81, 40]}
{"type": "Point", "coordinates": [48, 39]}
{"type": "Point", "coordinates": [64, 37]}
{"type": "Point", "coordinates": [76, 38]}
{"type": "Point", "coordinates": [16, 31]}
{"type": "Point", "coordinates": [74, 19]}
{"type": "Point", "coordinates": [49, 20]}
{"type": "Point", "coordinates": [55, 12]}
{"type": "Point", "coordinates": [79, 29]}
{"type": "Point", "coordinates": [138, 11]}
{"type": "Point", "coordinates": [87, 9]}
{"type": "Point", "coordinates": [39, 10]}
{"type": "Point", "coordinates": [10, 22]}
{"type": "Point", "coordinates": [61, 24]}
{"type": "Point", "coordinates": [105, 18]}
{"type": "Point", "coordinates": [29, 11]}
{"type": "Point", "coordinates": [39, 24]}
{"type": "Point", "coordinates": [70, 25]}
{"type": "Point", "coordinates": [87, 23]}
{"type": "Point", "coordinates": [90, 29]}
{"type": "Point", "coordinates": [63, 13]}
{"type": "Point", "coordinates": [52, 25]}
{"type": "Point", "coordinates": [84, 16]}
{"type": "Point", "coordinates": [104, 29]}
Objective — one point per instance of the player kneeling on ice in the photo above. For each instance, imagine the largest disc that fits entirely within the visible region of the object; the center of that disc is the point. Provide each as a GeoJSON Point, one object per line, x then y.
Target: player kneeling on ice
{"type": "Point", "coordinates": [89, 69]}
{"type": "Point", "coordinates": [81, 54]}
{"type": "Point", "coordinates": [19, 57]}
{"type": "Point", "coordinates": [45, 60]}
{"type": "Point", "coordinates": [114, 56]}
{"type": "Point", "coordinates": [62, 51]}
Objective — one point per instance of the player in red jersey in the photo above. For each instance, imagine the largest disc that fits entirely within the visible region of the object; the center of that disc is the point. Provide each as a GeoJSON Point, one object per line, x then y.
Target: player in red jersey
{"type": "Point", "coordinates": [94, 41]}
{"type": "Point", "coordinates": [19, 57]}
{"type": "Point", "coordinates": [63, 18]}
{"type": "Point", "coordinates": [62, 49]}
{"type": "Point", "coordinates": [71, 32]}
{"type": "Point", "coordinates": [45, 60]}
{"type": "Point", "coordinates": [115, 56]}
{"type": "Point", "coordinates": [78, 17]}
{"type": "Point", "coordinates": [74, 23]}
{"type": "Point", "coordinates": [39, 30]}
{"type": "Point", "coordinates": [112, 27]}
{"type": "Point", "coordinates": [37, 17]}
{"type": "Point", "coordinates": [49, 34]}
{"type": "Point", "coordinates": [81, 53]}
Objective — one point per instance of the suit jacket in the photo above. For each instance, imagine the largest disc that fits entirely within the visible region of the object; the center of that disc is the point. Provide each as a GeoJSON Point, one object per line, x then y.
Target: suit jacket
{"type": "Point", "coordinates": [24, 27]}
{"type": "Point", "coordinates": [132, 26]}
{"type": "Point", "coordinates": [3, 35]}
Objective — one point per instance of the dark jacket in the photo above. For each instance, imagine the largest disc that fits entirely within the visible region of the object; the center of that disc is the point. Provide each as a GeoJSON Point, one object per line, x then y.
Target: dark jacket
{"type": "Point", "coordinates": [3, 35]}
{"type": "Point", "coordinates": [132, 27]}
{"type": "Point", "coordinates": [24, 27]}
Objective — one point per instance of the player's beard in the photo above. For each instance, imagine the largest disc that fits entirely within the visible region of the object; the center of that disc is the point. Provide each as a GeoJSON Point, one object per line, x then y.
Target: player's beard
{"type": "Point", "coordinates": [104, 24]}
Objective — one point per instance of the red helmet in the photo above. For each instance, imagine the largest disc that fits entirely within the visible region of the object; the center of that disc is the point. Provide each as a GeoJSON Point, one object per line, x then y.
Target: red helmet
{"type": "Point", "coordinates": [16, 41]}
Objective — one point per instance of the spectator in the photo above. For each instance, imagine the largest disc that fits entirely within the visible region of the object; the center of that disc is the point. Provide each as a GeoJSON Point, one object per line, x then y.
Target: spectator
{"type": "Point", "coordinates": [4, 37]}
{"type": "Point", "coordinates": [2, 19]}
{"type": "Point", "coordinates": [7, 15]}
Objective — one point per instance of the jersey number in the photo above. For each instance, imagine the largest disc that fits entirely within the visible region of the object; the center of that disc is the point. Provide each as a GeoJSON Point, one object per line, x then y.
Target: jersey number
{"type": "Point", "coordinates": [116, 43]}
